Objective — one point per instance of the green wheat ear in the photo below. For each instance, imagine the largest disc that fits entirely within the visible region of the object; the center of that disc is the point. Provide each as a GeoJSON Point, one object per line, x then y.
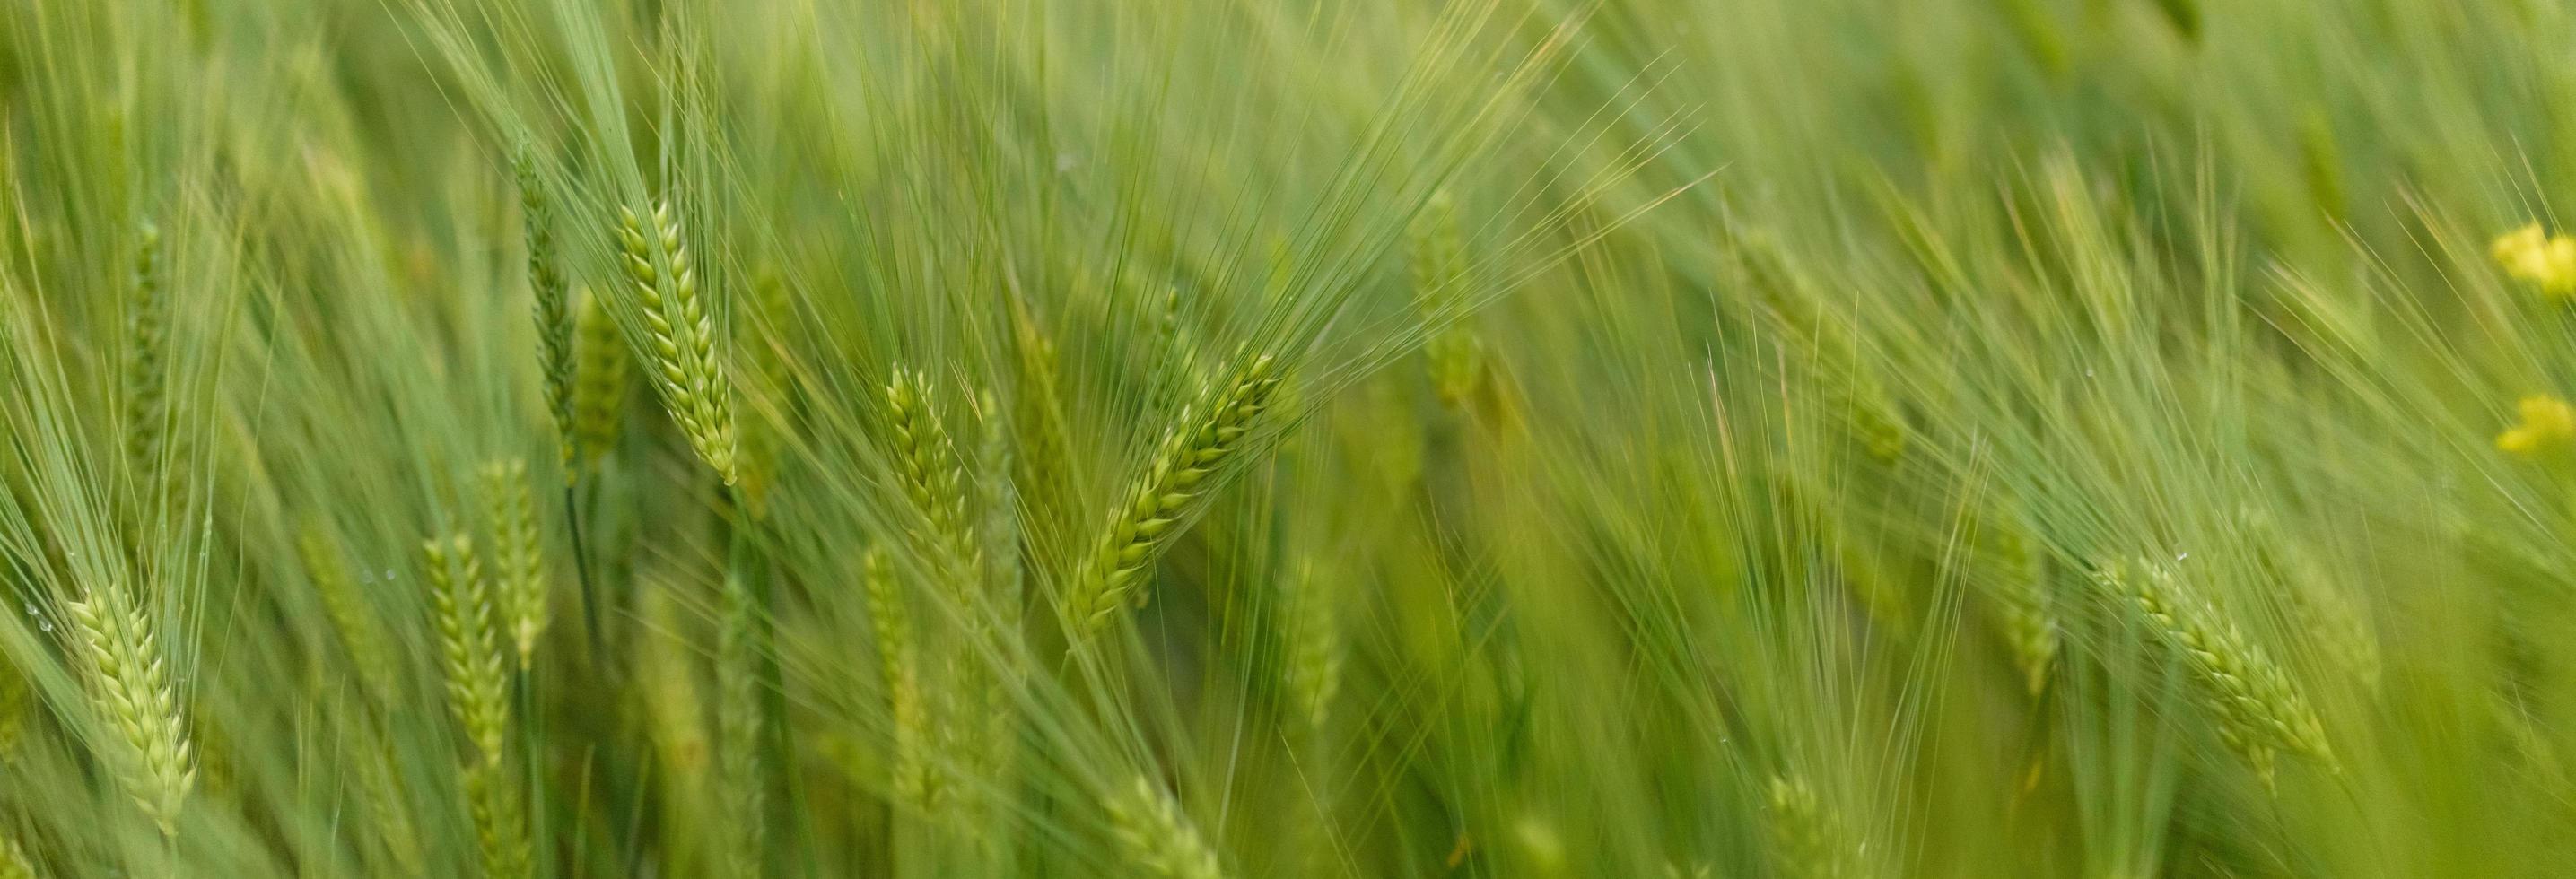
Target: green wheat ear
{"type": "Point", "coordinates": [1809, 839]}
{"type": "Point", "coordinates": [599, 380]}
{"type": "Point", "coordinates": [509, 505]}
{"type": "Point", "coordinates": [129, 686]}
{"type": "Point", "coordinates": [2258, 708]}
{"type": "Point", "coordinates": [1156, 837]}
{"type": "Point", "coordinates": [682, 331]}
{"type": "Point", "coordinates": [144, 371]}
{"type": "Point", "coordinates": [552, 300]}
{"type": "Point", "coordinates": [1439, 288]}
{"type": "Point", "coordinates": [1209, 432]}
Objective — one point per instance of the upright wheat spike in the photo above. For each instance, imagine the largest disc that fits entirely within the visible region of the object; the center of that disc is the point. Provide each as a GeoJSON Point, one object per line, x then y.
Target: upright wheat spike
{"type": "Point", "coordinates": [130, 689]}
{"type": "Point", "coordinates": [933, 477]}
{"type": "Point", "coordinates": [145, 372]}
{"type": "Point", "coordinates": [1209, 432]}
{"type": "Point", "coordinates": [738, 722]}
{"type": "Point", "coordinates": [2258, 709]}
{"type": "Point", "coordinates": [1158, 839]}
{"type": "Point", "coordinates": [1809, 840]}
{"type": "Point", "coordinates": [469, 644]}
{"type": "Point", "coordinates": [2022, 603]}
{"type": "Point", "coordinates": [1439, 289]}
{"type": "Point", "coordinates": [477, 690]}
{"type": "Point", "coordinates": [518, 557]}
{"type": "Point", "coordinates": [359, 629]}
{"type": "Point", "coordinates": [1038, 411]}
{"type": "Point", "coordinates": [599, 380]}
{"type": "Point", "coordinates": [1314, 647]}
{"type": "Point", "coordinates": [683, 334]}
{"type": "Point", "coordinates": [553, 308]}
{"type": "Point", "coordinates": [914, 784]}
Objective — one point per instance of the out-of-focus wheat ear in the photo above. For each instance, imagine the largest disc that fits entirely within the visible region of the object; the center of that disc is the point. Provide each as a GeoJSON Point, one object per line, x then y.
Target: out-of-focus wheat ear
{"type": "Point", "coordinates": [1809, 838]}
{"type": "Point", "coordinates": [738, 723]}
{"type": "Point", "coordinates": [2258, 709]}
{"type": "Point", "coordinates": [2024, 609]}
{"type": "Point", "coordinates": [14, 861]}
{"type": "Point", "coordinates": [143, 375]}
{"type": "Point", "coordinates": [915, 787]}
{"type": "Point", "coordinates": [680, 327]}
{"type": "Point", "coordinates": [1038, 415]}
{"type": "Point", "coordinates": [469, 646]}
{"type": "Point", "coordinates": [129, 687]}
{"type": "Point", "coordinates": [360, 630]}
{"type": "Point", "coordinates": [599, 380]}
{"type": "Point", "coordinates": [15, 702]}
{"type": "Point", "coordinates": [1157, 838]}
{"type": "Point", "coordinates": [764, 376]}
{"type": "Point", "coordinates": [2338, 627]}
{"type": "Point", "coordinates": [934, 478]}
{"type": "Point", "coordinates": [1209, 432]}
{"type": "Point", "coordinates": [380, 784]}
{"type": "Point", "coordinates": [517, 553]}
{"type": "Point", "coordinates": [500, 820]}
{"type": "Point", "coordinates": [551, 300]}
{"type": "Point", "coordinates": [1314, 647]}
{"type": "Point", "coordinates": [1455, 357]}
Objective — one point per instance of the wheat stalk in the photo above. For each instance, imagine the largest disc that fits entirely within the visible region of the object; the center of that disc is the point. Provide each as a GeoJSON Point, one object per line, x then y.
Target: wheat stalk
{"type": "Point", "coordinates": [683, 335]}
{"type": "Point", "coordinates": [1209, 433]}
{"type": "Point", "coordinates": [130, 688]}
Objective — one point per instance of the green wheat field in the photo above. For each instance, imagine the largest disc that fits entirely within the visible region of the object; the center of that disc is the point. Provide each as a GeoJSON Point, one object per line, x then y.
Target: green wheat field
{"type": "Point", "coordinates": [1329, 439]}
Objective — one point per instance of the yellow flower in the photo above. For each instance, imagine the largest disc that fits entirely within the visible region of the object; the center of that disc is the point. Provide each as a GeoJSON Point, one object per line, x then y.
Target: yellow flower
{"type": "Point", "coordinates": [2547, 423]}
{"type": "Point", "coordinates": [2529, 254]}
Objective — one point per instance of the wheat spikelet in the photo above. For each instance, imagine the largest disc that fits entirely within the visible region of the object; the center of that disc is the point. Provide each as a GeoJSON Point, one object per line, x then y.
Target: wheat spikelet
{"type": "Point", "coordinates": [599, 380]}
{"type": "Point", "coordinates": [738, 723]}
{"type": "Point", "coordinates": [350, 615]}
{"type": "Point", "coordinates": [552, 305]}
{"type": "Point", "coordinates": [130, 688]}
{"type": "Point", "coordinates": [144, 372]}
{"type": "Point", "coordinates": [2259, 710]}
{"type": "Point", "coordinates": [517, 555]}
{"type": "Point", "coordinates": [469, 645]}
{"type": "Point", "coordinates": [1439, 289]}
{"type": "Point", "coordinates": [1156, 837]}
{"type": "Point", "coordinates": [1809, 839]}
{"type": "Point", "coordinates": [683, 335]}
{"type": "Point", "coordinates": [1208, 433]}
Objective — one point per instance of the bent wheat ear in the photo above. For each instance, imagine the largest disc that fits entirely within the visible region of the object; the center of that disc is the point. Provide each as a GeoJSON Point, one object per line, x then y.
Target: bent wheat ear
{"type": "Point", "coordinates": [1156, 837]}
{"type": "Point", "coordinates": [683, 335]}
{"type": "Point", "coordinates": [552, 302]}
{"type": "Point", "coordinates": [2257, 707]}
{"type": "Point", "coordinates": [1209, 433]}
{"type": "Point", "coordinates": [129, 686]}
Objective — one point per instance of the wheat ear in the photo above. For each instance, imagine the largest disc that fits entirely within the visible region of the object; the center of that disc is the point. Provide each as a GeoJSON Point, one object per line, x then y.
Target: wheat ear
{"type": "Point", "coordinates": [348, 610]}
{"type": "Point", "coordinates": [1157, 838]}
{"type": "Point", "coordinates": [130, 688]}
{"type": "Point", "coordinates": [551, 302]}
{"type": "Point", "coordinates": [933, 477]}
{"type": "Point", "coordinates": [599, 380]}
{"type": "Point", "coordinates": [519, 575]}
{"type": "Point", "coordinates": [2259, 710]}
{"type": "Point", "coordinates": [683, 335]}
{"type": "Point", "coordinates": [1439, 289]}
{"type": "Point", "coordinates": [144, 373]}
{"type": "Point", "coordinates": [1209, 433]}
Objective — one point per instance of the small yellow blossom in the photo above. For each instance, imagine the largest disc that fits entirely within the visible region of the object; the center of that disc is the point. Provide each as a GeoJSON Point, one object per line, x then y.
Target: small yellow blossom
{"type": "Point", "coordinates": [2529, 254]}
{"type": "Point", "coordinates": [2547, 423]}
